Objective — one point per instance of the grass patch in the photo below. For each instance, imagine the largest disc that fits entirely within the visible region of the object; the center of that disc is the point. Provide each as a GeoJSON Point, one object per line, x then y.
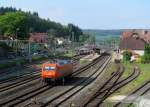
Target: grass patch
{"type": "Point", "coordinates": [144, 76]}
{"type": "Point", "coordinates": [82, 62]}
{"type": "Point", "coordinates": [12, 63]}
{"type": "Point", "coordinates": [70, 53]}
{"type": "Point", "coordinates": [128, 69]}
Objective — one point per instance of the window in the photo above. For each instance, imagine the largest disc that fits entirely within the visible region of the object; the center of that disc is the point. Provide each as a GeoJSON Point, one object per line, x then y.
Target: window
{"type": "Point", "coordinates": [48, 68]}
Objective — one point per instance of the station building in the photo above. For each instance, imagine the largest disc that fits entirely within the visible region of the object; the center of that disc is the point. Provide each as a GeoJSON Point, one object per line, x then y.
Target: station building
{"type": "Point", "coordinates": [134, 41]}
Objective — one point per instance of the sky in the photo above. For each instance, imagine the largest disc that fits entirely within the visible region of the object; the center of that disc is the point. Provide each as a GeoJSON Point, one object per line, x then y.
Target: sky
{"type": "Point", "coordinates": [90, 14]}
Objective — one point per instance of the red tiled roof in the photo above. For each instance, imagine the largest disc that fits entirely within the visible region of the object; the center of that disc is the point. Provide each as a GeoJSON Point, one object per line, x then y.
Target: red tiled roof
{"type": "Point", "coordinates": [38, 37]}
{"type": "Point", "coordinates": [134, 39]}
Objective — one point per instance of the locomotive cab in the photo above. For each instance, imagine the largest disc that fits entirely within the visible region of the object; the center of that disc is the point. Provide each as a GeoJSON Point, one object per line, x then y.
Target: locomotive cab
{"type": "Point", "coordinates": [49, 71]}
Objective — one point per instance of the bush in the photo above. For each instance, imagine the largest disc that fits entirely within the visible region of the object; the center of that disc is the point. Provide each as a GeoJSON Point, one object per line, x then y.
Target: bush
{"type": "Point", "coordinates": [4, 49]}
{"type": "Point", "coordinates": [138, 60]}
{"type": "Point", "coordinates": [127, 55]}
{"type": "Point", "coordinates": [146, 57]}
{"type": "Point", "coordinates": [142, 59]}
{"type": "Point", "coordinates": [5, 46]}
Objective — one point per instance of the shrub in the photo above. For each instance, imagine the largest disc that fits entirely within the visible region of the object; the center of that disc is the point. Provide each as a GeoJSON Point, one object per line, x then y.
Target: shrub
{"type": "Point", "coordinates": [138, 60]}
{"type": "Point", "coordinates": [142, 59]}
{"type": "Point", "coordinates": [5, 46]}
{"type": "Point", "coordinates": [127, 55]}
{"type": "Point", "coordinates": [146, 57]}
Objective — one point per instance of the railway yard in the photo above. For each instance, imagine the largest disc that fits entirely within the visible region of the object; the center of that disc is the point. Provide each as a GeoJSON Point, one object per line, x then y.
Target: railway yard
{"type": "Point", "coordinates": [89, 85]}
{"type": "Point", "coordinates": [74, 53]}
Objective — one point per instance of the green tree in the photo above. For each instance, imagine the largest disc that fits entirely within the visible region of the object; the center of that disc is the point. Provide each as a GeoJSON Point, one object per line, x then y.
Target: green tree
{"type": "Point", "coordinates": [75, 32]}
{"type": "Point", "coordinates": [127, 55]}
{"type": "Point", "coordinates": [27, 22]}
{"type": "Point", "coordinates": [52, 32]}
{"type": "Point", "coordinates": [146, 57]}
{"type": "Point", "coordinates": [10, 22]}
{"type": "Point", "coordinates": [84, 37]}
{"type": "Point", "coordinates": [92, 39]}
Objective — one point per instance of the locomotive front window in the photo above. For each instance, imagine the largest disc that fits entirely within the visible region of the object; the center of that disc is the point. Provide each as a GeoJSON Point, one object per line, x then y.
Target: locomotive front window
{"type": "Point", "coordinates": [48, 68]}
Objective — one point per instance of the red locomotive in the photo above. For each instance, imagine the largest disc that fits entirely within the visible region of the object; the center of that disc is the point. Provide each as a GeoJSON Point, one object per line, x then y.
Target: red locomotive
{"type": "Point", "coordinates": [57, 70]}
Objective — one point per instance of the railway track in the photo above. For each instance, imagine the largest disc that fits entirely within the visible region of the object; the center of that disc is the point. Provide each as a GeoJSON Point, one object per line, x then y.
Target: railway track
{"type": "Point", "coordinates": [27, 74]}
{"type": "Point", "coordinates": [21, 80]}
{"type": "Point", "coordinates": [11, 85]}
{"type": "Point", "coordinates": [78, 83]}
{"type": "Point", "coordinates": [105, 92]}
{"type": "Point", "coordinates": [12, 69]}
{"type": "Point", "coordinates": [29, 70]}
{"type": "Point", "coordinates": [99, 97]}
{"type": "Point", "coordinates": [36, 75]}
{"type": "Point", "coordinates": [132, 97]}
{"type": "Point", "coordinates": [31, 92]}
{"type": "Point", "coordinates": [123, 82]}
{"type": "Point", "coordinates": [62, 97]}
{"type": "Point", "coordinates": [7, 72]}
{"type": "Point", "coordinates": [44, 88]}
{"type": "Point", "coordinates": [20, 76]}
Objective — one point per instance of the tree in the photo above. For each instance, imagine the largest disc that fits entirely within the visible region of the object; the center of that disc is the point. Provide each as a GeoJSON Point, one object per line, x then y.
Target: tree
{"type": "Point", "coordinates": [11, 21]}
{"type": "Point", "coordinates": [35, 14]}
{"type": "Point", "coordinates": [52, 32]}
{"type": "Point", "coordinates": [146, 57]}
{"type": "Point", "coordinates": [27, 22]}
{"type": "Point", "coordinates": [127, 55]}
{"type": "Point", "coordinates": [93, 39]}
{"type": "Point", "coordinates": [74, 31]}
{"type": "Point", "coordinates": [7, 9]}
{"type": "Point", "coordinates": [84, 38]}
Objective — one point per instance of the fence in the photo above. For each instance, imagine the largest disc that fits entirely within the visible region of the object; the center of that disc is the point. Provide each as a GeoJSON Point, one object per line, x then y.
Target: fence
{"type": "Point", "coordinates": [10, 49]}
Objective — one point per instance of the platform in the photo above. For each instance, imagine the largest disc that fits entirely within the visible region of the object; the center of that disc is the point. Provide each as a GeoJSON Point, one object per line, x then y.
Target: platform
{"type": "Point", "coordinates": [90, 57]}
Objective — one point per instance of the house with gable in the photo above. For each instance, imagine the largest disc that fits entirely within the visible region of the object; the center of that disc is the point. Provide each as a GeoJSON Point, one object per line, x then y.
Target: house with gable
{"type": "Point", "coordinates": [134, 41]}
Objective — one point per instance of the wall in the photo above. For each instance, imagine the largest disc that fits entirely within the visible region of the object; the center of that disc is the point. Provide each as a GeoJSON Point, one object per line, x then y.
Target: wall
{"type": "Point", "coordinates": [140, 52]}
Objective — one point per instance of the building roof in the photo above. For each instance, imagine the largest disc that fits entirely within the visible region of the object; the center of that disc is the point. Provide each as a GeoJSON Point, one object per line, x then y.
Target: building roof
{"type": "Point", "coordinates": [1, 37]}
{"type": "Point", "coordinates": [134, 39]}
{"type": "Point", "coordinates": [38, 37]}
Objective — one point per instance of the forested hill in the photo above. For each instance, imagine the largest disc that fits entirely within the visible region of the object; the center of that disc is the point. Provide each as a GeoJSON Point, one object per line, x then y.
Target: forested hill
{"type": "Point", "coordinates": [103, 32]}
{"type": "Point", "coordinates": [13, 20]}
{"type": "Point", "coordinates": [104, 35]}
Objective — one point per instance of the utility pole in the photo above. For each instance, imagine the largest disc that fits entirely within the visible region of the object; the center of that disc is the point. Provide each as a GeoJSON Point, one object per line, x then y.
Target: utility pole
{"type": "Point", "coordinates": [55, 48]}
{"type": "Point", "coordinates": [30, 59]}
{"type": "Point", "coordinates": [72, 43]}
{"type": "Point", "coordinates": [17, 40]}
{"type": "Point", "coordinates": [17, 63]}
